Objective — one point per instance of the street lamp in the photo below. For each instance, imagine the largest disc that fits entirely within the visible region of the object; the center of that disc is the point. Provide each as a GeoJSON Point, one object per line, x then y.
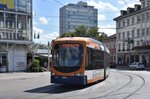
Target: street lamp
{"type": "Point", "coordinates": [48, 54]}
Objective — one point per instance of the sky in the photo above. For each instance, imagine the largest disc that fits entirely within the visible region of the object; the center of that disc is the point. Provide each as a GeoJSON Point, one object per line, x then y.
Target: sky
{"type": "Point", "coordinates": [46, 16]}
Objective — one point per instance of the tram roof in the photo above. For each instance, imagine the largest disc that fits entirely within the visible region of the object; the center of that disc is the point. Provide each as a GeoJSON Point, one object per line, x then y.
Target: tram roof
{"type": "Point", "coordinates": [86, 39]}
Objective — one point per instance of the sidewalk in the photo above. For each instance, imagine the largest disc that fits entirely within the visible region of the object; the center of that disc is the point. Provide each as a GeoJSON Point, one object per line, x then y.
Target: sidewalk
{"type": "Point", "coordinates": [22, 75]}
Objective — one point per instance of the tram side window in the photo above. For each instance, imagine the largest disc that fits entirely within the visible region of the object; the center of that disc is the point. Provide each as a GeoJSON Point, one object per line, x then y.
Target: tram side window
{"type": "Point", "coordinates": [89, 59]}
{"type": "Point", "coordinates": [98, 59]}
{"type": "Point", "coordinates": [95, 59]}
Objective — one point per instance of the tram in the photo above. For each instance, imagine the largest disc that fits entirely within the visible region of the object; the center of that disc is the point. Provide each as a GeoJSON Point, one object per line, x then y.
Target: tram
{"type": "Point", "coordinates": [79, 60]}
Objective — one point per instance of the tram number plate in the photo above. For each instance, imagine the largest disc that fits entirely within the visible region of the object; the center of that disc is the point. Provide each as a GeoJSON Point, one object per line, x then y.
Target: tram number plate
{"type": "Point", "coordinates": [63, 77]}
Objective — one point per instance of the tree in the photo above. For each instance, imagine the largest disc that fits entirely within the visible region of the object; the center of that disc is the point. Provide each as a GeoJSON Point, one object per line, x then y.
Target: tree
{"type": "Point", "coordinates": [93, 32]}
{"type": "Point", "coordinates": [102, 36]}
{"type": "Point", "coordinates": [84, 31]}
{"type": "Point", "coordinates": [81, 31]}
{"type": "Point", "coordinates": [68, 34]}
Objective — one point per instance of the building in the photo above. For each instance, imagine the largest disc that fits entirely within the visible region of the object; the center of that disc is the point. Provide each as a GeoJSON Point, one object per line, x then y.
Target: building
{"type": "Point", "coordinates": [133, 34]}
{"type": "Point", "coordinates": [74, 15]}
{"type": "Point", "coordinates": [15, 34]}
{"type": "Point", "coordinates": [111, 44]}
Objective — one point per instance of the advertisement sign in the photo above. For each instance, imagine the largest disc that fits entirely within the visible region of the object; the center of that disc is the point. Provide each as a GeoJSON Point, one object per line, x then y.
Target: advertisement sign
{"type": "Point", "coordinates": [6, 4]}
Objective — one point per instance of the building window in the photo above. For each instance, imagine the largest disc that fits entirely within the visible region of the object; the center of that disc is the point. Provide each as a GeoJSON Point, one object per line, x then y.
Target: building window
{"type": "Point", "coordinates": [10, 21]}
{"type": "Point", "coordinates": [132, 33]}
{"type": "Point", "coordinates": [68, 27]}
{"type": "Point", "coordinates": [128, 22]}
{"type": "Point", "coordinates": [143, 17]}
{"type": "Point", "coordinates": [143, 4]}
{"type": "Point", "coordinates": [123, 23]}
{"type": "Point", "coordinates": [133, 20]}
{"type": "Point", "coordinates": [132, 45]}
{"type": "Point", "coordinates": [119, 24]}
{"type": "Point", "coordinates": [128, 34]}
{"type": "Point", "coordinates": [123, 46]}
{"type": "Point", "coordinates": [143, 32]}
{"type": "Point", "coordinates": [1, 24]}
{"type": "Point", "coordinates": [138, 19]}
{"type": "Point", "coordinates": [119, 46]}
{"type": "Point", "coordinates": [114, 45]}
{"type": "Point", "coordinates": [148, 31]}
{"type": "Point", "coordinates": [119, 37]}
{"type": "Point", "coordinates": [138, 43]}
{"type": "Point", "coordinates": [147, 16]}
{"type": "Point", "coordinates": [123, 35]}
{"type": "Point", "coordinates": [148, 3]}
{"type": "Point", "coordinates": [3, 60]}
{"type": "Point", "coordinates": [138, 32]}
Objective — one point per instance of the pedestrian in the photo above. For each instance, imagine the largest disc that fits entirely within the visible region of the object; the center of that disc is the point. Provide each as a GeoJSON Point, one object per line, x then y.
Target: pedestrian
{"type": "Point", "coordinates": [45, 64]}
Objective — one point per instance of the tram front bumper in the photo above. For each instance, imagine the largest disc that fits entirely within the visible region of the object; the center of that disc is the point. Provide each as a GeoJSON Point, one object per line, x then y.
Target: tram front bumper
{"type": "Point", "coordinates": [78, 80]}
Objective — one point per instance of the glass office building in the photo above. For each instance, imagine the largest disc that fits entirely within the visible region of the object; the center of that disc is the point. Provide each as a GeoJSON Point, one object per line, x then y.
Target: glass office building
{"type": "Point", "coordinates": [74, 15]}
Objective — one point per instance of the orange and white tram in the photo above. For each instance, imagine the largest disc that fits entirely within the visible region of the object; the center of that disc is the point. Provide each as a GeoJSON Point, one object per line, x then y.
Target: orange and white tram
{"type": "Point", "coordinates": [79, 60]}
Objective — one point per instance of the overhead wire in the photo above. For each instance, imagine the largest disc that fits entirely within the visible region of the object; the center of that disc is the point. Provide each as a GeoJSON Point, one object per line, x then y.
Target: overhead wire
{"type": "Point", "coordinates": [125, 2]}
{"type": "Point", "coordinates": [59, 2]}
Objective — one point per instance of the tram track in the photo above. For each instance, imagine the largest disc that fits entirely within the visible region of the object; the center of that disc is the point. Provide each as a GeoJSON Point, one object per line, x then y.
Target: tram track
{"type": "Point", "coordinates": [124, 86]}
{"type": "Point", "coordinates": [143, 83]}
{"type": "Point", "coordinates": [116, 90]}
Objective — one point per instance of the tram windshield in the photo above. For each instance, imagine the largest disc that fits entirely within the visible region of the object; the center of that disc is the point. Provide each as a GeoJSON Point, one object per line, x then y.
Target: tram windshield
{"type": "Point", "coordinates": [68, 55]}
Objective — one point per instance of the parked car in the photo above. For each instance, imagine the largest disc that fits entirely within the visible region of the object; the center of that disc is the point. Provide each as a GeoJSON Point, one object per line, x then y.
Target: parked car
{"type": "Point", "coordinates": [136, 65]}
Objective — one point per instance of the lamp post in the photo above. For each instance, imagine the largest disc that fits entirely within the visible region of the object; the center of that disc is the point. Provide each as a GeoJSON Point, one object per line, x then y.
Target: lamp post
{"type": "Point", "coordinates": [142, 52]}
{"type": "Point", "coordinates": [48, 55]}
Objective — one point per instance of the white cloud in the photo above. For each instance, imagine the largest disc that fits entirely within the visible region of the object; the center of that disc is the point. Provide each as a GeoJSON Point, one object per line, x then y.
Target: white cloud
{"type": "Point", "coordinates": [101, 17]}
{"type": "Point", "coordinates": [108, 29]}
{"type": "Point", "coordinates": [43, 20]}
{"type": "Point", "coordinates": [120, 1]}
{"type": "Point", "coordinates": [102, 5]}
{"type": "Point", "coordinates": [34, 23]}
{"type": "Point", "coordinates": [37, 30]}
{"type": "Point", "coordinates": [44, 38]}
{"type": "Point", "coordinates": [51, 36]}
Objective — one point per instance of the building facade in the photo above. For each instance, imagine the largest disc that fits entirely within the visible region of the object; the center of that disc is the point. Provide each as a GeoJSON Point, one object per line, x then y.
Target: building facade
{"type": "Point", "coordinates": [133, 34]}
{"type": "Point", "coordinates": [74, 15]}
{"type": "Point", "coordinates": [111, 44]}
{"type": "Point", "coordinates": [15, 34]}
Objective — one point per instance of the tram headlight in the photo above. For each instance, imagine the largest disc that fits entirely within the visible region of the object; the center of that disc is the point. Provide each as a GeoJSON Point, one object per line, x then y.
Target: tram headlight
{"type": "Point", "coordinates": [52, 73]}
{"type": "Point", "coordinates": [80, 74]}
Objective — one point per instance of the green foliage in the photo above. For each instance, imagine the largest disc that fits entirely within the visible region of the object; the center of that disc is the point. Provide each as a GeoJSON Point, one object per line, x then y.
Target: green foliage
{"type": "Point", "coordinates": [83, 31]}
{"type": "Point", "coordinates": [35, 66]}
{"type": "Point", "coordinates": [68, 34]}
{"type": "Point", "coordinates": [93, 32]}
{"type": "Point", "coordinates": [102, 36]}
